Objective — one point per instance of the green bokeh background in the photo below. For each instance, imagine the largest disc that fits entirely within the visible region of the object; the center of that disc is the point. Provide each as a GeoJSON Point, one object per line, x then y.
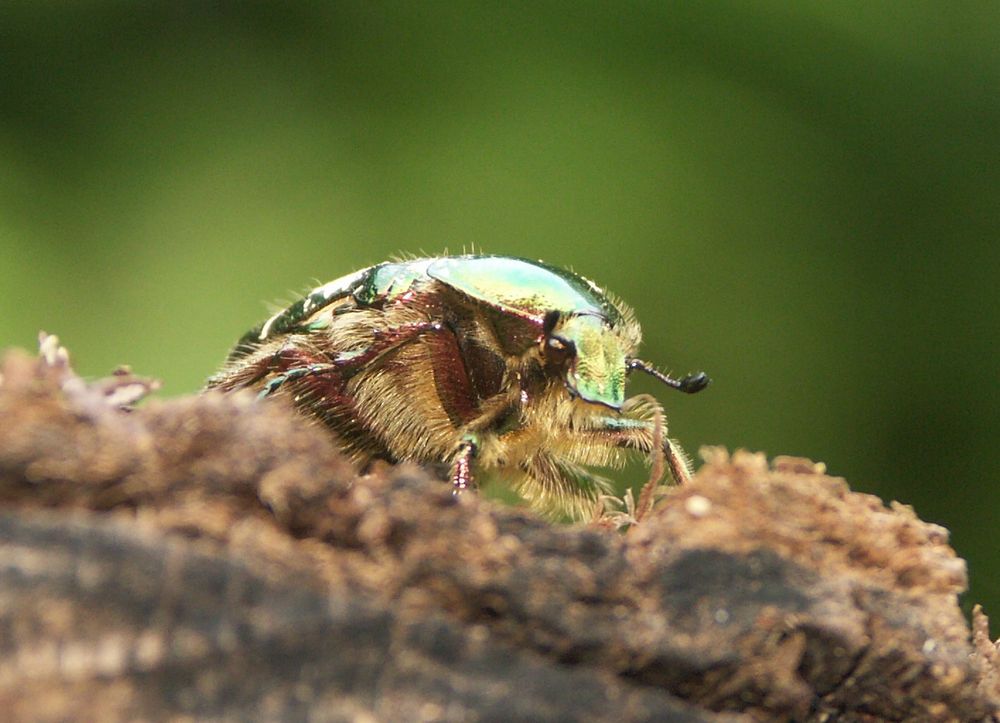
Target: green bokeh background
{"type": "Point", "coordinates": [799, 198]}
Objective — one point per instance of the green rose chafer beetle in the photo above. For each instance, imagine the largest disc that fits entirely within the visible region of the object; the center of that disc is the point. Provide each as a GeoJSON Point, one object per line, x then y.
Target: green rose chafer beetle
{"type": "Point", "coordinates": [508, 364]}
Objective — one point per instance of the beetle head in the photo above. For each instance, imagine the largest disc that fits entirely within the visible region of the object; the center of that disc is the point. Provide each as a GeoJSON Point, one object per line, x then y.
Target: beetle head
{"type": "Point", "coordinates": [589, 355]}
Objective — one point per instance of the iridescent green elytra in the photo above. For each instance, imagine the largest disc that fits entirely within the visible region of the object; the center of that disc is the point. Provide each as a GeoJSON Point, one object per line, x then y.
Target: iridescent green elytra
{"type": "Point", "coordinates": [491, 361]}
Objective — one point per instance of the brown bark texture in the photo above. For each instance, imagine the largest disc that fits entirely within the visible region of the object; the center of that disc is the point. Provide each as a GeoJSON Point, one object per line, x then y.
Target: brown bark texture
{"type": "Point", "coordinates": [214, 558]}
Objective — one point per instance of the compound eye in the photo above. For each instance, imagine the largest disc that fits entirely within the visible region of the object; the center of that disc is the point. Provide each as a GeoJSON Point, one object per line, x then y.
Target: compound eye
{"type": "Point", "coordinates": [557, 350]}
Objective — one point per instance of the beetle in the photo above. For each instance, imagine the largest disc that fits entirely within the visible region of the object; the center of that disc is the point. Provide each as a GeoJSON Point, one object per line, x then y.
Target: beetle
{"type": "Point", "coordinates": [487, 361]}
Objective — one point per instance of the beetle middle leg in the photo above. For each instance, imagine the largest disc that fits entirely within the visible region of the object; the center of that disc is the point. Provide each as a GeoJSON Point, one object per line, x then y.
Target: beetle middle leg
{"type": "Point", "coordinates": [461, 469]}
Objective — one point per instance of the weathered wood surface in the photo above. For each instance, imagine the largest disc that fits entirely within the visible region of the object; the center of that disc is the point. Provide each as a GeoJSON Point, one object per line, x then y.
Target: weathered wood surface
{"type": "Point", "coordinates": [214, 558]}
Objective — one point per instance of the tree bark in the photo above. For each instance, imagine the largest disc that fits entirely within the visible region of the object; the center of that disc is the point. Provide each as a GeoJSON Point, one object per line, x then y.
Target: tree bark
{"type": "Point", "coordinates": [215, 557]}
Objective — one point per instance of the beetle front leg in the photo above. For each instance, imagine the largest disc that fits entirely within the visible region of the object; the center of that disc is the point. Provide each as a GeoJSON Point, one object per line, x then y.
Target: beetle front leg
{"type": "Point", "coordinates": [638, 434]}
{"type": "Point", "coordinates": [680, 465]}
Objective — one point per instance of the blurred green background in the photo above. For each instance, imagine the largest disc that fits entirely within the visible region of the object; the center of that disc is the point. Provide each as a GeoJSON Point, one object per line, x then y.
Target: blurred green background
{"type": "Point", "coordinates": [799, 198]}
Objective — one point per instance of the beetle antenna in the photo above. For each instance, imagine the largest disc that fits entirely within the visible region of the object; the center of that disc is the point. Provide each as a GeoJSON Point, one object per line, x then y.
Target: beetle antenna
{"type": "Point", "coordinates": [689, 385]}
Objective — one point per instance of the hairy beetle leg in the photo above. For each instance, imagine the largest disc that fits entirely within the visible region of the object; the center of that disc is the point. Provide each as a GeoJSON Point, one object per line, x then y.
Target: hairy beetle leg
{"type": "Point", "coordinates": [638, 434]}
{"type": "Point", "coordinates": [274, 384]}
{"type": "Point", "coordinates": [680, 467]}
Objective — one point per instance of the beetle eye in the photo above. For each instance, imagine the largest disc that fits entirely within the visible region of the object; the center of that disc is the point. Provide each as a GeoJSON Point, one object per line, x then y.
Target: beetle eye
{"type": "Point", "coordinates": [557, 350]}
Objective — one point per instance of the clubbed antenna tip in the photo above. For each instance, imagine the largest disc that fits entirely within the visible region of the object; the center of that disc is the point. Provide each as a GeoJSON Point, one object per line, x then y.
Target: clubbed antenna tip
{"type": "Point", "coordinates": [689, 385]}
